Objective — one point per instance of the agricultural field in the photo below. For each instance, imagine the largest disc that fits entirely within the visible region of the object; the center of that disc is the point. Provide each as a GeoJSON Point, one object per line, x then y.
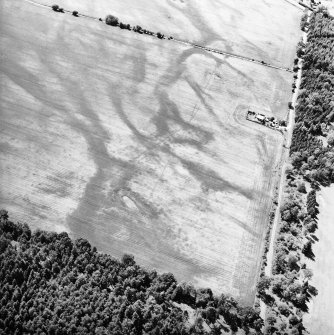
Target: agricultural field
{"type": "Point", "coordinates": [141, 145]}
{"type": "Point", "coordinates": [319, 320]}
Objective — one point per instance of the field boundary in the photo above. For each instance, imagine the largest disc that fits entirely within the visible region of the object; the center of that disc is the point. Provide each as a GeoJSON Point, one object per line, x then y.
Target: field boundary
{"type": "Point", "coordinates": [194, 45]}
{"type": "Point", "coordinates": [268, 256]}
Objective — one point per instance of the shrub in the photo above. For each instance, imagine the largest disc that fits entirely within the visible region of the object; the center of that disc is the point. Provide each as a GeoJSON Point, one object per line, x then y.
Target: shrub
{"type": "Point", "coordinates": [137, 29]}
{"type": "Point", "coordinates": [271, 319]}
{"type": "Point", "coordinates": [111, 20]}
{"type": "Point", "coordinates": [268, 330]}
{"type": "Point", "coordinates": [301, 188]}
{"type": "Point", "coordinates": [282, 326]}
{"type": "Point", "coordinates": [284, 310]}
{"type": "Point", "coordinates": [304, 24]}
{"type": "Point", "coordinates": [293, 320]}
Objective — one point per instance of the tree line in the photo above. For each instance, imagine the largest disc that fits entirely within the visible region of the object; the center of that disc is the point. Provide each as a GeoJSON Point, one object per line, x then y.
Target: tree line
{"type": "Point", "coordinates": [50, 284]}
{"type": "Point", "coordinates": [315, 108]}
{"type": "Point", "coordinates": [288, 291]}
{"type": "Point", "coordinates": [112, 20]}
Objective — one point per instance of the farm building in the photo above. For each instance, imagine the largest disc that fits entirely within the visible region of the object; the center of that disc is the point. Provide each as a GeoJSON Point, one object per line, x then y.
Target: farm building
{"type": "Point", "coordinates": [261, 117]}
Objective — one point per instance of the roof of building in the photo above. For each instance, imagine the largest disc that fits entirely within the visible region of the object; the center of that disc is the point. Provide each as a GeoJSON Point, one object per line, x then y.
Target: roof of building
{"type": "Point", "coordinates": [260, 117]}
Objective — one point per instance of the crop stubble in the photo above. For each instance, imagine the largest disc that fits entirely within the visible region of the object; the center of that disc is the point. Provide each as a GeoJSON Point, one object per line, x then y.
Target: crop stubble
{"type": "Point", "coordinates": [138, 144]}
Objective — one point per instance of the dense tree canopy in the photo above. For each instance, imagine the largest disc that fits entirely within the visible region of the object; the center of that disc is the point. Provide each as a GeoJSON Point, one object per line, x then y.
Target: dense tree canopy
{"type": "Point", "coordinates": [315, 108]}
{"type": "Point", "coordinates": [288, 291]}
{"type": "Point", "coordinates": [50, 284]}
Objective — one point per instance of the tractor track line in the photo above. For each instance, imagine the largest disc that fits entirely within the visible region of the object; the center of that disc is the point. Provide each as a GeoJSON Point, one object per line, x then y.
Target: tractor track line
{"type": "Point", "coordinates": [194, 45]}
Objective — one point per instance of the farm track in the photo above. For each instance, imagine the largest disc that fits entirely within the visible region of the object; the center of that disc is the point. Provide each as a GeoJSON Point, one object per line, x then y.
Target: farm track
{"type": "Point", "coordinates": [281, 182]}
{"type": "Point", "coordinates": [246, 268]}
{"type": "Point", "coordinates": [229, 54]}
{"type": "Point", "coordinates": [191, 44]}
{"type": "Point", "coordinates": [295, 4]}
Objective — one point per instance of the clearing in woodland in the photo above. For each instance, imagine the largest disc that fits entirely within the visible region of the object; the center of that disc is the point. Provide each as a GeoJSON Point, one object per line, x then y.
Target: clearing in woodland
{"type": "Point", "coordinates": [140, 145]}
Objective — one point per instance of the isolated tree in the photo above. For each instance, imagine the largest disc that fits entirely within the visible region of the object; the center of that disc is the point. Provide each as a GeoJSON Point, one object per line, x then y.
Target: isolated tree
{"type": "Point", "coordinates": [263, 284]}
{"type": "Point", "coordinates": [111, 20]}
{"type": "Point", "coordinates": [268, 330]}
{"type": "Point", "coordinates": [55, 8]}
{"type": "Point", "coordinates": [307, 250]}
{"type": "Point", "coordinates": [137, 29]}
{"type": "Point", "coordinates": [312, 290]}
{"type": "Point", "coordinates": [271, 319]}
{"type": "Point", "coordinates": [75, 13]}
{"type": "Point", "coordinates": [292, 262]}
{"type": "Point", "coordinates": [128, 260]}
{"type": "Point", "coordinates": [282, 326]}
{"type": "Point", "coordinates": [211, 314]}
{"type": "Point", "coordinates": [301, 188]}
{"type": "Point", "coordinates": [294, 320]}
{"type": "Point", "coordinates": [284, 309]}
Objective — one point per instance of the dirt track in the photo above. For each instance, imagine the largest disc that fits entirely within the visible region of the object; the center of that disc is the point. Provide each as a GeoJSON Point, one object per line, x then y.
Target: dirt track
{"type": "Point", "coordinates": [282, 180]}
